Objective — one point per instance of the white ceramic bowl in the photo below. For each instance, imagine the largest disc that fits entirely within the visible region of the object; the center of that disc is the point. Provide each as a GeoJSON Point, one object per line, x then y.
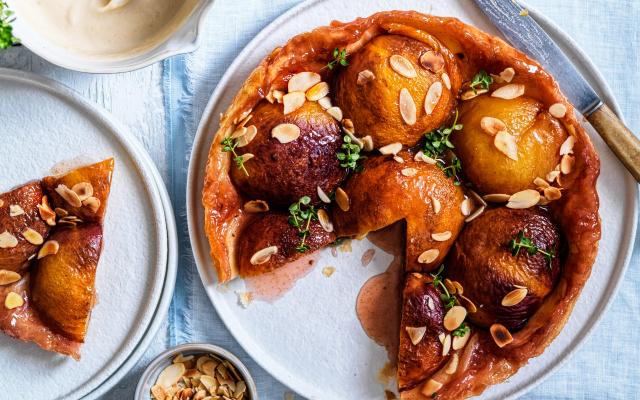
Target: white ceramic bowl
{"type": "Point", "coordinates": [150, 375]}
{"type": "Point", "coordinates": [183, 40]}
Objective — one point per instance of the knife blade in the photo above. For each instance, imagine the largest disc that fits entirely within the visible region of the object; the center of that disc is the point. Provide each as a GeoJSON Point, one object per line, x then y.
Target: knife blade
{"type": "Point", "coordinates": [524, 33]}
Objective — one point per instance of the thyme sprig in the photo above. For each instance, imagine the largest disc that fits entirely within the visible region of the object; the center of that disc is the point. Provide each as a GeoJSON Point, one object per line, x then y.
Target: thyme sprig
{"type": "Point", "coordinates": [301, 214]}
{"type": "Point", "coordinates": [229, 146]}
{"type": "Point", "coordinates": [339, 58]}
{"type": "Point", "coordinates": [522, 242]}
{"type": "Point", "coordinates": [350, 155]}
{"type": "Point", "coordinates": [447, 298]}
{"type": "Point", "coordinates": [437, 142]}
{"type": "Point", "coordinates": [6, 30]}
{"type": "Point", "coordinates": [460, 331]}
{"type": "Point", "coordinates": [481, 79]}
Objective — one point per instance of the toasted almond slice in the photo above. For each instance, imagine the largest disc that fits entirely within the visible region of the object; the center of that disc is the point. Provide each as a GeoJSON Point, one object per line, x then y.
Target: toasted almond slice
{"type": "Point", "coordinates": [492, 125]}
{"type": "Point", "coordinates": [69, 196]}
{"type": "Point", "coordinates": [158, 392]}
{"type": "Point", "coordinates": [7, 240]}
{"type": "Point", "coordinates": [496, 197]}
{"type": "Point", "coordinates": [432, 98]}
{"type": "Point", "coordinates": [342, 199]}
{"type": "Point", "coordinates": [278, 95]}
{"type": "Point", "coordinates": [348, 127]}
{"type": "Point", "coordinates": [449, 285]}
{"type": "Point", "coordinates": [452, 365]}
{"type": "Point", "coordinates": [244, 121]}
{"type": "Point", "coordinates": [475, 214]}
{"type": "Point", "coordinates": [552, 193]}
{"type": "Point", "coordinates": [524, 199]}
{"type": "Point", "coordinates": [293, 101]}
{"type": "Point", "coordinates": [285, 133]}
{"type": "Point", "coordinates": [181, 358]}
{"type": "Point", "coordinates": [325, 103]}
{"type": "Point", "coordinates": [509, 92]}
{"type": "Point", "coordinates": [13, 300]}
{"type": "Point", "coordinates": [567, 146]}
{"type": "Point", "coordinates": [430, 388]}
{"type": "Point", "coordinates": [84, 190]}
{"type": "Point", "coordinates": [566, 164]}
{"type": "Point", "coordinates": [170, 375]}
{"type": "Point", "coordinates": [454, 317]}
{"type": "Point", "coordinates": [324, 220]}
{"type": "Point", "coordinates": [470, 94]}
{"type": "Point", "coordinates": [407, 107]}
{"type": "Point", "coordinates": [61, 212]}
{"type": "Point", "coordinates": [409, 172]}
{"type": "Point", "coordinates": [208, 381]}
{"type": "Point", "coordinates": [1, 202]}
{"type": "Point", "coordinates": [432, 61]}
{"type": "Point", "coordinates": [458, 286]}
{"type": "Point", "coordinates": [46, 213]}
{"type": "Point", "coordinates": [420, 156]}
{"type": "Point", "coordinates": [446, 345]}
{"type": "Point", "coordinates": [441, 236]}
{"type": "Point", "coordinates": [435, 203]}
{"type": "Point", "coordinates": [328, 271]}
{"type": "Point", "coordinates": [506, 144]}
{"type": "Point", "coordinates": [430, 304]}
{"type": "Point", "coordinates": [49, 248]}
{"type": "Point", "coordinates": [92, 203]}
{"type": "Point", "coordinates": [477, 197]}
{"type": "Point", "coordinates": [466, 206]}
{"type": "Point", "coordinates": [15, 210]}
{"type": "Point", "coordinates": [416, 333]}
{"type": "Point", "coordinates": [365, 76]}
{"type": "Point", "coordinates": [367, 143]}
{"type": "Point", "coordinates": [446, 80]}
{"type": "Point", "coordinates": [246, 157]}
{"type": "Point", "coordinates": [500, 335]}
{"type": "Point", "coordinates": [540, 183]}
{"type": "Point", "coordinates": [322, 195]}
{"type": "Point", "coordinates": [402, 66]}
{"type": "Point", "coordinates": [514, 297]}
{"type": "Point", "coordinates": [558, 110]}
{"type": "Point", "coordinates": [7, 277]}
{"type": "Point", "coordinates": [552, 176]}
{"type": "Point", "coordinates": [508, 74]}
{"type": "Point", "coordinates": [302, 81]}
{"type": "Point", "coordinates": [335, 112]}
{"type": "Point", "coordinates": [249, 135]}
{"type": "Point", "coordinates": [441, 337]}
{"type": "Point", "coordinates": [354, 138]}
{"type": "Point", "coordinates": [244, 299]}
{"type": "Point", "coordinates": [459, 342]}
{"type": "Point", "coordinates": [238, 133]}
{"type": "Point", "coordinates": [393, 148]}
{"type": "Point", "coordinates": [264, 255]}
{"type": "Point", "coordinates": [429, 256]}
{"type": "Point", "coordinates": [468, 304]}
{"type": "Point", "coordinates": [256, 206]}
{"type": "Point", "coordinates": [317, 91]}
{"type": "Point", "coordinates": [398, 159]}
{"type": "Point", "coordinates": [32, 236]}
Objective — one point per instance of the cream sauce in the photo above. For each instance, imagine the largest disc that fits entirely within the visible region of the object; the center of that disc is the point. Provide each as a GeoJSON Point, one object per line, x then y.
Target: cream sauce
{"type": "Point", "coordinates": [105, 28]}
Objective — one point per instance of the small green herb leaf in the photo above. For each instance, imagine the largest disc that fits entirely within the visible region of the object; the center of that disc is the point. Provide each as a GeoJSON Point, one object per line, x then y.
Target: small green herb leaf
{"type": "Point", "coordinates": [461, 330]}
{"type": "Point", "coordinates": [481, 79]}
{"type": "Point", "coordinates": [522, 242]}
{"type": "Point", "coordinates": [6, 30]}
{"type": "Point", "coordinates": [339, 58]}
{"type": "Point", "coordinates": [437, 142]}
{"type": "Point", "coordinates": [349, 155]}
{"type": "Point", "coordinates": [229, 146]}
{"type": "Point", "coordinates": [301, 214]}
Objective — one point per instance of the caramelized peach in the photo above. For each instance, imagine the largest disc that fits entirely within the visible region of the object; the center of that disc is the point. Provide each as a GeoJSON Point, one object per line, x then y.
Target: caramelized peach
{"type": "Point", "coordinates": [506, 289]}
{"type": "Point", "coordinates": [374, 104]}
{"type": "Point", "coordinates": [281, 173]}
{"type": "Point", "coordinates": [537, 135]}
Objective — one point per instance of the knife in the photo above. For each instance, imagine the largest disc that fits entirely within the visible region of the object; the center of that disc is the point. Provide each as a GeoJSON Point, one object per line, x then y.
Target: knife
{"type": "Point", "coordinates": [524, 33]}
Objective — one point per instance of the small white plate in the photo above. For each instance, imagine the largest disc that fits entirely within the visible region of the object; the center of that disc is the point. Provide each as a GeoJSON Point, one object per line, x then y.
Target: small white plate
{"type": "Point", "coordinates": [44, 123]}
{"type": "Point", "coordinates": [311, 339]}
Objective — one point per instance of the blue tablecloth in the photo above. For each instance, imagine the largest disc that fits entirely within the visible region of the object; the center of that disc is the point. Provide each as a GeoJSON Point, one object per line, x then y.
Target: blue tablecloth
{"type": "Point", "coordinates": [605, 367]}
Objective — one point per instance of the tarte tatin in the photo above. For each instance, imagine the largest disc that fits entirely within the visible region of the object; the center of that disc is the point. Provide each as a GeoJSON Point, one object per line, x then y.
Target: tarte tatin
{"type": "Point", "coordinates": [408, 117]}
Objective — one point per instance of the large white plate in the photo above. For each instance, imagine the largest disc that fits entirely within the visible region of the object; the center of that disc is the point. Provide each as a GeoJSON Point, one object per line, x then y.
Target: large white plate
{"type": "Point", "coordinates": [311, 339]}
{"type": "Point", "coordinates": [44, 123]}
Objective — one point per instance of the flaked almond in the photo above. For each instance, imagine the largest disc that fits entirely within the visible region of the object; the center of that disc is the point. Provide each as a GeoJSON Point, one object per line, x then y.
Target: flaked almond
{"type": "Point", "coordinates": [356, 140]}
{"type": "Point", "coordinates": [92, 203]}
{"type": "Point", "coordinates": [367, 143]}
{"type": "Point", "coordinates": [416, 333]}
{"type": "Point", "coordinates": [49, 248]}
{"type": "Point", "coordinates": [61, 212]}
{"type": "Point", "coordinates": [507, 74]}
{"type": "Point", "coordinates": [514, 297]}
{"type": "Point", "coordinates": [244, 121]}
{"type": "Point", "coordinates": [466, 206]}
{"type": "Point", "coordinates": [348, 127]}
{"type": "Point", "coordinates": [13, 300]}
{"type": "Point", "coordinates": [452, 365]}
{"type": "Point", "coordinates": [7, 240]}
{"type": "Point", "coordinates": [441, 236]}
{"type": "Point", "coordinates": [398, 159]}
{"type": "Point", "coordinates": [69, 196]}
{"type": "Point", "coordinates": [429, 256]}
{"type": "Point", "coordinates": [32, 237]}
{"type": "Point", "coordinates": [317, 91]}
{"type": "Point", "coordinates": [402, 66]}
{"type": "Point", "coordinates": [15, 210]}
{"type": "Point", "coordinates": [430, 304]}
{"type": "Point", "coordinates": [446, 80]}
{"type": "Point", "coordinates": [454, 317]}
{"type": "Point", "coordinates": [446, 345]}
{"type": "Point", "coordinates": [239, 132]}
{"type": "Point", "coordinates": [475, 214]}
{"type": "Point", "coordinates": [432, 98]}
{"type": "Point", "coordinates": [448, 283]}
{"type": "Point", "coordinates": [244, 299]}
{"type": "Point", "coordinates": [458, 286]}
{"type": "Point", "coordinates": [302, 81]}
{"type": "Point", "coordinates": [322, 195]}
{"type": "Point", "coordinates": [46, 213]}
{"type": "Point", "coordinates": [278, 95]}
{"type": "Point", "coordinates": [500, 335]}
{"type": "Point", "coordinates": [552, 193]}
{"type": "Point", "coordinates": [409, 172]}
{"type": "Point", "coordinates": [342, 199]}
{"type": "Point", "coordinates": [471, 94]}
{"type": "Point", "coordinates": [509, 92]}
{"type": "Point", "coordinates": [264, 255]}
{"type": "Point", "coordinates": [181, 358]}
{"type": "Point", "coordinates": [170, 375]}
{"type": "Point", "coordinates": [540, 183]}
{"type": "Point", "coordinates": [477, 197]}
{"type": "Point", "coordinates": [393, 148]}
{"type": "Point", "coordinates": [566, 164]}
{"type": "Point", "coordinates": [7, 277]}
{"type": "Point", "coordinates": [365, 76]}
{"type": "Point", "coordinates": [335, 112]}
{"type": "Point", "coordinates": [158, 392]}
{"type": "Point", "coordinates": [432, 61]}
{"type": "Point", "coordinates": [524, 199]}
{"type": "Point", "coordinates": [492, 126]}
{"type": "Point", "coordinates": [285, 133]}
{"type": "Point", "coordinates": [246, 157]}
{"type": "Point", "coordinates": [256, 206]}
{"type": "Point", "coordinates": [1, 202]}
{"type": "Point", "coordinates": [324, 220]}
{"type": "Point", "coordinates": [435, 203]}
{"type": "Point", "coordinates": [250, 134]}
{"type": "Point", "coordinates": [407, 107]}
{"type": "Point", "coordinates": [459, 342]}
{"type": "Point", "coordinates": [420, 156]}
{"type": "Point", "coordinates": [506, 144]}
{"type": "Point", "coordinates": [84, 190]}
{"type": "Point", "coordinates": [567, 146]}
{"type": "Point", "coordinates": [496, 197]}
{"type": "Point", "coordinates": [293, 101]}
{"type": "Point", "coordinates": [325, 103]}
{"type": "Point", "coordinates": [558, 110]}
{"type": "Point", "coordinates": [430, 388]}
{"type": "Point", "coordinates": [328, 271]}
{"type": "Point", "coordinates": [552, 176]}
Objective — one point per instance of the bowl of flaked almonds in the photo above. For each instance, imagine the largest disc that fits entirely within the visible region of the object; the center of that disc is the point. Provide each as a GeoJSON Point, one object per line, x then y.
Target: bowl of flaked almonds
{"type": "Point", "coordinates": [196, 372]}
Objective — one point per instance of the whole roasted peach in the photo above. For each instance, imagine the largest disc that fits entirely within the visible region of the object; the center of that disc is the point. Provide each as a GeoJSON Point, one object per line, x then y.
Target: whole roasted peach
{"type": "Point", "coordinates": [535, 135]}
{"type": "Point", "coordinates": [504, 287]}
{"type": "Point", "coordinates": [387, 73]}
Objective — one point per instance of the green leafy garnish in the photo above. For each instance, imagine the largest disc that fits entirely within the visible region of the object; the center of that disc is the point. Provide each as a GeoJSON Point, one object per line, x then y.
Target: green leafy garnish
{"type": "Point", "coordinates": [300, 216]}
{"type": "Point", "coordinates": [437, 142]}
{"type": "Point", "coordinates": [6, 30]}
{"type": "Point", "coordinates": [229, 146]}
{"type": "Point", "coordinates": [447, 298]}
{"type": "Point", "coordinates": [523, 242]}
{"type": "Point", "coordinates": [452, 170]}
{"type": "Point", "coordinates": [350, 155]}
{"type": "Point", "coordinates": [339, 58]}
{"type": "Point", "coordinates": [460, 331]}
{"type": "Point", "coordinates": [481, 79]}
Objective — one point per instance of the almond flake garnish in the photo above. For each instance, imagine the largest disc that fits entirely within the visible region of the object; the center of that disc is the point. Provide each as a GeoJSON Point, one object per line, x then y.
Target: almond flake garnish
{"type": "Point", "coordinates": [470, 94]}
{"type": "Point", "coordinates": [432, 61]}
{"type": "Point", "coordinates": [460, 341]}
{"type": "Point", "coordinates": [430, 388]}
{"type": "Point", "coordinates": [420, 156]}
{"type": "Point", "coordinates": [452, 365]}
{"type": "Point", "coordinates": [46, 213]}
{"type": "Point", "coordinates": [500, 335]}
{"type": "Point", "coordinates": [430, 304]}
{"type": "Point", "coordinates": [478, 211]}
{"type": "Point", "coordinates": [170, 375]}
{"type": "Point", "coordinates": [552, 193]}
{"type": "Point", "coordinates": [398, 159]}
{"type": "Point", "coordinates": [7, 240]}
{"type": "Point", "coordinates": [508, 74]}
{"type": "Point", "coordinates": [13, 300]}
{"type": "Point", "coordinates": [566, 164]}
{"type": "Point", "coordinates": [433, 97]}
{"type": "Point", "coordinates": [302, 81]}
{"type": "Point", "coordinates": [1, 202]}
{"type": "Point", "coordinates": [328, 271]}
{"type": "Point", "coordinates": [181, 358]}
{"type": "Point", "coordinates": [567, 146]}
{"type": "Point", "coordinates": [325, 103]}
{"type": "Point", "coordinates": [32, 236]}
{"type": "Point", "coordinates": [441, 237]}
{"type": "Point", "coordinates": [342, 199]}
{"type": "Point", "coordinates": [393, 148]}
{"type": "Point", "coordinates": [246, 157]}
{"type": "Point", "coordinates": [524, 199]}
{"type": "Point", "coordinates": [264, 255]}
{"type": "Point", "coordinates": [446, 345]}
{"type": "Point", "coordinates": [69, 196]}
{"type": "Point", "coordinates": [285, 133]}
{"type": "Point", "coordinates": [416, 333]}
{"type": "Point", "coordinates": [435, 203]}
{"type": "Point", "coordinates": [49, 248]}
{"type": "Point", "coordinates": [428, 256]}
{"type": "Point", "coordinates": [496, 197]}
{"type": "Point", "coordinates": [92, 203]}
{"type": "Point", "coordinates": [15, 210]}
{"type": "Point", "coordinates": [84, 190]}
{"type": "Point", "coordinates": [365, 76]}
{"type": "Point", "coordinates": [514, 297]}
{"type": "Point", "coordinates": [407, 107]}
{"type": "Point", "coordinates": [409, 172]}
{"type": "Point", "coordinates": [293, 101]}
{"type": "Point", "coordinates": [540, 183]}
{"type": "Point", "coordinates": [249, 135]}
{"type": "Point", "coordinates": [492, 125]}
{"type": "Point", "coordinates": [244, 299]}
{"type": "Point", "coordinates": [466, 206]}
{"type": "Point", "coordinates": [558, 110]}
{"type": "Point", "coordinates": [317, 91]}
{"type": "Point", "coordinates": [367, 143]}
{"type": "Point", "coordinates": [324, 220]}
{"type": "Point", "coordinates": [7, 277]}
{"type": "Point", "coordinates": [509, 92]}
{"type": "Point", "coordinates": [335, 112]}
{"type": "Point", "coordinates": [506, 144]}
{"type": "Point", "coordinates": [402, 66]}
{"type": "Point", "coordinates": [446, 80]}
{"type": "Point", "coordinates": [278, 95]}
{"type": "Point", "coordinates": [348, 127]}
{"type": "Point", "coordinates": [322, 195]}
{"type": "Point", "coordinates": [256, 206]}
{"type": "Point", "coordinates": [552, 176]}
{"type": "Point", "coordinates": [454, 317]}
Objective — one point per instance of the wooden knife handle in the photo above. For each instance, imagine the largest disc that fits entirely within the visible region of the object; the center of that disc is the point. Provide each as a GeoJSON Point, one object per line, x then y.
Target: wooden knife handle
{"type": "Point", "coordinates": [618, 137]}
